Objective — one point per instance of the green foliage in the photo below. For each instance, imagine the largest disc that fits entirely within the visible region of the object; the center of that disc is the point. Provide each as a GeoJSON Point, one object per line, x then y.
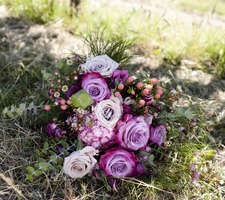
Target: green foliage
{"type": "Point", "coordinates": [81, 99]}
{"type": "Point", "coordinates": [115, 46]}
{"type": "Point", "coordinates": [39, 11]}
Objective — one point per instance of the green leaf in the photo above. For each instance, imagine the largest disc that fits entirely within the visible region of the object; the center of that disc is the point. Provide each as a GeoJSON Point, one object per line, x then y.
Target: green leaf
{"type": "Point", "coordinates": [38, 172]}
{"type": "Point", "coordinates": [81, 99]}
{"type": "Point", "coordinates": [29, 178]}
{"type": "Point", "coordinates": [30, 169]}
{"type": "Point", "coordinates": [44, 166]}
{"type": "Point", "coordinates": [22, 107]}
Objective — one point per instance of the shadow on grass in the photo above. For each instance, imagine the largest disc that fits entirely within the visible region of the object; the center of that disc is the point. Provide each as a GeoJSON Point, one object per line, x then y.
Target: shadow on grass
{"type": "Point", "coordinates": [22, 57]}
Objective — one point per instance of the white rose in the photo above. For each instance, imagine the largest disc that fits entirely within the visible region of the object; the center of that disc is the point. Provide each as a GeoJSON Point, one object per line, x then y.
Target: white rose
{"type": "Point", "coordinates": [102, 64]}
{"type": "Point", "coordinates": [80, 163]}
{"type": "Point", "coordinates": [108, 112]}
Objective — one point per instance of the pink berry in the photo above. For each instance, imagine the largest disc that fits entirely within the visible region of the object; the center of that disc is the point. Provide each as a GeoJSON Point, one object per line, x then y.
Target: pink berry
{"type": "Point", "coordinates": [139, 85]}
{"type": "Point", "coordinates": [63, 102]}
{"type": "Point", "coordinates": [63, 107]}
{"type": "Point", "coordinates": [149, 87]}
{"type": "Point", "coordinates": [133, 92]}
{"type": "Point", "coordinates": [56, 73]}
{"type": "Point", "coordinates": [68, 102]}
{"type": "Point", "coordinates": [157, 96]}
{"type": "Point", "coordinates": [141, 102]}
{"type": "Point", "coordinates": [130, 79]}
{"type": "Point", "coordinates": [146, 91]}
{"type": "Point", "coordinates": [117, 94]}
{"type": "Point", "coordinates": [159, 91]}
{"type": "Point", "coordinates": [47, 107]}
{"type": "Point", "coordinates": [154, 80]}
{"type": "Point", "coordinates": [120, 86]}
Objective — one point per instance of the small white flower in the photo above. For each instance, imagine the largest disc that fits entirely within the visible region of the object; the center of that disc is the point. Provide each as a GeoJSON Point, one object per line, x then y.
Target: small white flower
{"type": "Point", "coordinates": [64, 88]}
{"type": "Point", "coordinates": [80, 163]}
{"type": "Point", "coordinates": [102, 64]}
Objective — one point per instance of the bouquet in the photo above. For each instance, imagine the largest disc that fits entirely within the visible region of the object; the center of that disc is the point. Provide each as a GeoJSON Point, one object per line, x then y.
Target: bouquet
{"type": "Point", "coordinates": [110, 116]}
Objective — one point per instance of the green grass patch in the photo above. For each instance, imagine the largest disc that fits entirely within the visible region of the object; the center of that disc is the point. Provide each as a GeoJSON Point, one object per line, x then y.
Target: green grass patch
{"type": "Point", "coordinates": [203, 6]}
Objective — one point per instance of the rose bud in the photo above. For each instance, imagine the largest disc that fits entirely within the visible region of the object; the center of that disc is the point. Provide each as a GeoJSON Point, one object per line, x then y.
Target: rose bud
{"type": "Point", "coordinates": [145, 91]}
{"type": "Point", "coordinates": [117, 94]}
{"type": "Point", "coordinates": [133, 92]}
{"type": "Point", "coordinates": [68, 102]}
{"type": "Point", "coordinates": [47, 107]}
{"type": "Point", "coordinates": [63, 107]}
{"type": "Point", "coordinates": [131, 79]}
{"type": "Point", "coordinates": [157, 96]}
{"type": "Point", "coordinates": [120, 86]}
{"type": "Point", "coordinates": [154, 81]}
{"type": "Point", "coordinates": [141, 102]}
{"type": "Point", "coordinates": [139, 85]}
{"type": "Point", "coordinates": [63, 102]}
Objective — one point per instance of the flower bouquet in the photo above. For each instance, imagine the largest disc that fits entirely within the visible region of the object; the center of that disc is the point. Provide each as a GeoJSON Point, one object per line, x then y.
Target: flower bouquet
{"type": "Point", "coordinates": [105, 122]}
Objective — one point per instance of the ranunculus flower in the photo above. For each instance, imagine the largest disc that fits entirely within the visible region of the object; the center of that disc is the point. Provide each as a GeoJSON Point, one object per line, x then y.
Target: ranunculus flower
{"type": "Point", "coordinates": [158, 134]}
{"type": "Point", "coordinates": [96, 86]}
{"type": "Point", "coordinates": [96, 136]}
{"type": "Point", "coordinates": [134, 134]}
{"type": "Point", "coordinates": [108, 112]}
{"type": "Point", "coordinates": [120, 75]}
{"type": "Point", "coordinates": [118, 163]}
{"type": "Point", "coordinates": [73, 89]}
{"type": "Point", "coordinates": [54, 131]}
{"type": "Point", "coordinates": [80, 163]}
{"type": "Point", "coordinates": [102, 64]}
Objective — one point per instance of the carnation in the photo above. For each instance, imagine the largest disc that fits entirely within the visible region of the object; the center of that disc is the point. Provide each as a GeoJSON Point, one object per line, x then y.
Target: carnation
{"type": "Point", "coordinates": [118, 163]}
{"type": "Point", "coordinates": [96, 136]}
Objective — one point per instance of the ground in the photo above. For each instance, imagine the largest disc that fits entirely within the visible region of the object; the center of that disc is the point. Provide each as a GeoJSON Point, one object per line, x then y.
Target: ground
{"type": "Point", "coordinates": [30, 45]}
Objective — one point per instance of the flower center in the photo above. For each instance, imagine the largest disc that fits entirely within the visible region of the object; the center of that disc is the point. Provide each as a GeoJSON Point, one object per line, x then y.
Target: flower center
{"type": "Point", "coordinates": [108, 113]}
{"type": "Point", "coordinates": [94, 91]}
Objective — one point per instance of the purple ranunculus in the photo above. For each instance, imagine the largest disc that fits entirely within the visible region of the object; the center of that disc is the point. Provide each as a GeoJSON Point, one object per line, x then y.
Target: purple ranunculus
{"type": "Point", "coordinates": [96, 86]}
{"type": "Point", "coordinates": [158, 134]}
{"type": "Point", "coordinates": [51, 128]}
{"type": "Point", "coordinates": [149, 99]}
{"type": "Point", "coordinates": [139, 170]}
{"type": "Point", "coordinates": [118, 163]}
{"type": "Point", "coordinates": [134, 134]}
{"type": "Point", "coordinates": [72, 90]}
{"type": "Point", "coordinates": [120, 75]}
{"type": "Point", "coordinates": [54, 131]}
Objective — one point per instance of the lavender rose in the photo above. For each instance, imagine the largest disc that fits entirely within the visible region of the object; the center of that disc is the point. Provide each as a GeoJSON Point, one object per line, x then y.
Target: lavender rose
{"type": "Point", "coordinates": [133, 134]}
{"type": "Point", "coordinates": [96, 86]}
{"type": "Point", "coordinates": [102, 64]}
{"type": "Point", "coordinates": [118, 163]}
{"type": "Point", "coordinates": [158, 134]}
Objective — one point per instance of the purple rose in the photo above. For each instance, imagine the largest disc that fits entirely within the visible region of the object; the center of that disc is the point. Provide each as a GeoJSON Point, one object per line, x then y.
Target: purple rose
{"type": "Point", "coordinates": [120, 75]}
{"type": "Point", "coordinates": [118, 163]}
{"type": "Point", "coordinates": [72, 90]}
{"type": "Point", "coordinates": [158, 134]}
{"type": "Point", "coordinates": [96, 86]}
{"type": "Point", "coordinates": [134, 134]}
